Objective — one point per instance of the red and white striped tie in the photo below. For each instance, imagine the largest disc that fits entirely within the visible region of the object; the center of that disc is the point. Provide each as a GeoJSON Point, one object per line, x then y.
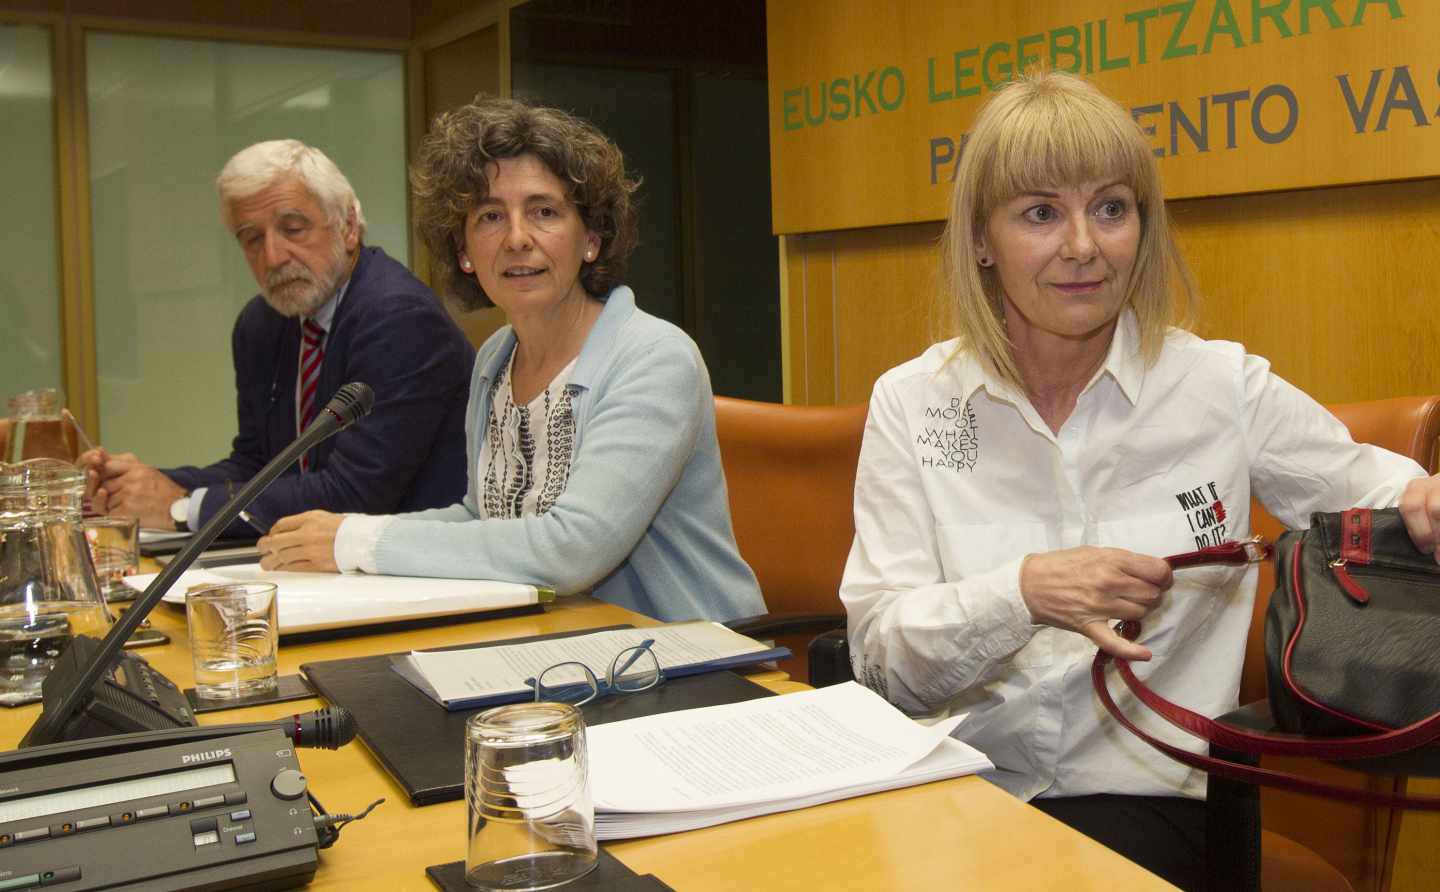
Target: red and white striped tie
{"type": "Point", "coordinates": [312, 354]}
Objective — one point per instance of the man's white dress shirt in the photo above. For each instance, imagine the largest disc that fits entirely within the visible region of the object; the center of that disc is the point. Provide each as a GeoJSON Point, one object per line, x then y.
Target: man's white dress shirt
{"type": "Point", "coordinates": [959, 479]}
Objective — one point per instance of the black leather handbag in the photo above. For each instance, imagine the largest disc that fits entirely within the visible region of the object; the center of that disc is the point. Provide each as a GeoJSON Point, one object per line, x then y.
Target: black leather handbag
{"type": "Point", "coordinates": [1352, 650]}
{"type": "Point", "coordinates": [1352, 636]}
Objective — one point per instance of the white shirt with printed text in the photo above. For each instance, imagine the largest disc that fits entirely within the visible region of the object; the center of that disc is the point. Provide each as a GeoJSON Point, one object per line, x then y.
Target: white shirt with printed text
{"type": "Point", "coordinates": [959, 479]}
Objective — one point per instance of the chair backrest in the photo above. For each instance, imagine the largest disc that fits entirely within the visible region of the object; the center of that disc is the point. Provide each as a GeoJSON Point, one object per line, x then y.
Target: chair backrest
{"type": "Point", "coordinates": [1359, 841]}
{"type": "Point", "coordinates": [791, 476]}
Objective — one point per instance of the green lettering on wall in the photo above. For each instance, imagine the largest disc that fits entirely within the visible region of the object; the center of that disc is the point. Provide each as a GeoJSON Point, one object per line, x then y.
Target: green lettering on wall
{"type": "Point", "coordinates": [1070, 48]}
{"type": "Point", "coordinates": [1325, 6]}
{"type": "Point", "coordinates": [790, 112]}
{"type": "Point", "coordinates": [1275, 12]}
{"type": "Point", "coordinates": [935, 95]}
{"type": "Point", "coordinates": [1024, 60]}
{"type": "Point", "coordinates": [1141, 19]}
{"type": "Point", "coordinates": [963, 71]}
{"type": "Point", "coordinates": [1107, 63]}
{"type": "Point", "coordinates": [1004, 68]}
{"type": "Point", "coordinates": [818, 118]}
{"type": "Point", "coordinates": [839, 99]}
{"type": "Point", "coordinates": [862, 94]}
{"type": "Point", "coordinates": [891, 75]}
{"type": "Point", "coordinates": [1227, 26]}
{"type": "Point", "coordinates": [1362, 5]}
{"type": "Point", "coordinates": [1174, 49]}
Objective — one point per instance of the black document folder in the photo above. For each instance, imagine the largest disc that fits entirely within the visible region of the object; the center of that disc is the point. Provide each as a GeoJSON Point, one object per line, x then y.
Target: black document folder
{"type": "Point", "coordinates": [421, 743]}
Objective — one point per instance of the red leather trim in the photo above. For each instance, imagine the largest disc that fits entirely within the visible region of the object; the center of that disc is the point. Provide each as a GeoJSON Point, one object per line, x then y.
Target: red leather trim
{"type": "Point", "coordinates": [1369, 746]}
{"type": "Point", "coordinates": [1355, 536]}
{"type": "Point", "coordinates": [1295, 636]}
{"type": "Point", "coordinates": [1355, 590]}
{"type": "Point", "coordinates": [1225, 553]}
{"type": "Point", "coordinates": [1246, 773]}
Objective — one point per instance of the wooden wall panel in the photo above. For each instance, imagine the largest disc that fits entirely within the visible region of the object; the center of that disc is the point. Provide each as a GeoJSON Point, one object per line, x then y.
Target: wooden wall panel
{"type": "Point", "coordinates": [812, 292]}
{"type": "Point", "coordinates": [886, 311]}
{"type": "Point", "coordinates": [1336, 287]}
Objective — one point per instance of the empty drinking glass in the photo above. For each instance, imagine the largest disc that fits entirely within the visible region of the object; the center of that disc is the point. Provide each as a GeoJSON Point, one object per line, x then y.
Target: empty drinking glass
{"type": "Point", "coordinates": [234, 639]}
{"type": "Point", "coordinates": [527, 793]}
{"type": "Point", "coordinates": [115, 547]}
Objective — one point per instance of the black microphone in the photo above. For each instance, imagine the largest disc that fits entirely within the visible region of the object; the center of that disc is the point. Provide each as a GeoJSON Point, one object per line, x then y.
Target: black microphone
{"type": "Point", "coordinates": [329, 728]}
{"type": "Point", "coordinates": [71, 687]}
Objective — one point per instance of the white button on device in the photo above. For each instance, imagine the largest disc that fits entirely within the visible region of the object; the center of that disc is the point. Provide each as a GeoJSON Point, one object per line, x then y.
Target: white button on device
{"type": "Point", "coordinates": [208, 838]}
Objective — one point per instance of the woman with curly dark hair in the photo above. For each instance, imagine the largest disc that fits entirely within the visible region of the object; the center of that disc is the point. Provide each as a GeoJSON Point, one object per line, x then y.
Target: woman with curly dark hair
{"type": "Point", "coordinates": [593, 458]}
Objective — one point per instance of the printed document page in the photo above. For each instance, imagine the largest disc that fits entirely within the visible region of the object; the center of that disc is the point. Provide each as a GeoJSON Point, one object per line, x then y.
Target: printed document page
{"type": "Point", "coordinates": [842, 739]}
{"type": "Point", "coordinates": [488, 671]}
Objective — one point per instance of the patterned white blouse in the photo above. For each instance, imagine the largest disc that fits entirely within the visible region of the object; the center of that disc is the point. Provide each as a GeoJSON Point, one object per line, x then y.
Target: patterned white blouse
{"type": "Point", "coordinates": [525, 460]}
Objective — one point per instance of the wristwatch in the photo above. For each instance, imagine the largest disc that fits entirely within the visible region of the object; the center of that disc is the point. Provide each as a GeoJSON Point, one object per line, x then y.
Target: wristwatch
{"type": "Point", "coordinates": [180, 513]}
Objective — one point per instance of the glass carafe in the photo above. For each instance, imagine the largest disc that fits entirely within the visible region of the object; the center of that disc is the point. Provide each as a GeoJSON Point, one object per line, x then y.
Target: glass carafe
{"type": "Point", "coordinates": [48, 589]}
{"type": "Point", "coordinates": [38, 427]}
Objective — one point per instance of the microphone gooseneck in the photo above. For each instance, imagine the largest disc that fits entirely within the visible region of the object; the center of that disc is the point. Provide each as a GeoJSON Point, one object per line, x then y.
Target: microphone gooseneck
{"type": "Point", "coordinates": [351, 403]}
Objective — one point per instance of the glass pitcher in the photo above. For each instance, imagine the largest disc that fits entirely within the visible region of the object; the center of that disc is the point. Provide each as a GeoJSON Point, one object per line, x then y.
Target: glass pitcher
{"type": "Point", "coordinates": [48, 589]}
{"type": "Point", "coordinates": [38, 427]}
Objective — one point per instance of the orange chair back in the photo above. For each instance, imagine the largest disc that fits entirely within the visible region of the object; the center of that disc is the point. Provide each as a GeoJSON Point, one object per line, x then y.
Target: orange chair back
{"type": "Point", "coordinates": [791, 476]}
{"type": "Point", "coordinates": [1359, 841]}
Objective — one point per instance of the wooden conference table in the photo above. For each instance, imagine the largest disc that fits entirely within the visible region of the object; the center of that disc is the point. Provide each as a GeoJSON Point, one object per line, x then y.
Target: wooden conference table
{"type": "Point", "coordinates": [961, 833]}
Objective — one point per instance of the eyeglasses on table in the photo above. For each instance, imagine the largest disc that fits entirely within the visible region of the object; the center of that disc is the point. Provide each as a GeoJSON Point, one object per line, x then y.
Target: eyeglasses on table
{"type": "Point", "coordinates": [634, 669]}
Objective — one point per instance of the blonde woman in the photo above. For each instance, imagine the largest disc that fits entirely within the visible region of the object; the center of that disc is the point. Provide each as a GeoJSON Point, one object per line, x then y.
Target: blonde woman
{"type": "Point", "coordinates": [1019, 484]}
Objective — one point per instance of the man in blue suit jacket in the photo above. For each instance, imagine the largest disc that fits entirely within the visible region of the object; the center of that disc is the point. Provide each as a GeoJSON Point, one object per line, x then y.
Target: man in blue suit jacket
{"type": "Point", "coordinates": [365, 318]}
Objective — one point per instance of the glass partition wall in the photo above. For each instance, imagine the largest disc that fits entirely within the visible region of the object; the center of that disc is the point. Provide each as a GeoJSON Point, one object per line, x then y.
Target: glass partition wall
{"type": "Point", "coordinates": [30, 342]}
{"type": "Point", "coordinates": [164, 114]}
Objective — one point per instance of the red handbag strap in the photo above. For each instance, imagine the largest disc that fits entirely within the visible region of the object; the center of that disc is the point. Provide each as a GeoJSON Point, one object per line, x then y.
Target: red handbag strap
{"type": "Point", "coordinates": [1250, 774]}
{"type": "Point", "coordinates": [1369, 746]}
{"type": "Point", "coordinates": [1245, 551]}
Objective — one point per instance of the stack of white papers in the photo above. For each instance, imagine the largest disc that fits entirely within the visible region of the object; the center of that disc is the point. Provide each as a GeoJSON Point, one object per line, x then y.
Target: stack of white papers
{"type": "Point", "coordinates": [682, 770]}
{"type": "Point", "coordinates": [484, 676]}
{"type": "Point", "coordinates": [314, 601]}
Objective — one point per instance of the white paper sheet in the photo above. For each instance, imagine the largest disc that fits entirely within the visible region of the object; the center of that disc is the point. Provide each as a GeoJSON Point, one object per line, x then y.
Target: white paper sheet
{"type": "Point", "coordinates": [756, 751]}
{"type": "Point", "coordinates": [315, 601]}
{"type": "Point", "coordinates": [694, 768]}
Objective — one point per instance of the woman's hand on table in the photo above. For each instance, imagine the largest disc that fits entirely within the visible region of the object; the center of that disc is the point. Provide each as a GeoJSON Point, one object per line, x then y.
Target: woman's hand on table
{"type": "Point", "coordinates": [304, 543]}
{"type": "Point", "coordinates": [1085, 589]}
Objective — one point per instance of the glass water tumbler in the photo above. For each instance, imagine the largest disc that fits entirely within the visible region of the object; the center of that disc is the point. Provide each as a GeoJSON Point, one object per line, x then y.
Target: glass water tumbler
{"type": "Point", "coordinates": [531, 822]}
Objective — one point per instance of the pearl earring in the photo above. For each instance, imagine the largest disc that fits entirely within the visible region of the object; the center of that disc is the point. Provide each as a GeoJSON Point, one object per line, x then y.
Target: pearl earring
{"type": "Point", "coordinates": [467, 266]}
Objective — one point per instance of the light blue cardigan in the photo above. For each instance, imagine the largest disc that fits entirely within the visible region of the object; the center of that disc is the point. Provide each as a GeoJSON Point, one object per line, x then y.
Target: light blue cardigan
{"type": "Point", "coordinates": [644, 519]}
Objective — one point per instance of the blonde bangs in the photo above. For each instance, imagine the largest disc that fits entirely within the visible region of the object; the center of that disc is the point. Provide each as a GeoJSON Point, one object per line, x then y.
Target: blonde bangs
{"type": "Point", "coordinates": [1059, 137]}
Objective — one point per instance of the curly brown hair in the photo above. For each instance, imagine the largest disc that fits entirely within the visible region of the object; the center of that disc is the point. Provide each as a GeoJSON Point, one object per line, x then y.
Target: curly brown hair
{"type": "Point", "coordinates": [450, 178]}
